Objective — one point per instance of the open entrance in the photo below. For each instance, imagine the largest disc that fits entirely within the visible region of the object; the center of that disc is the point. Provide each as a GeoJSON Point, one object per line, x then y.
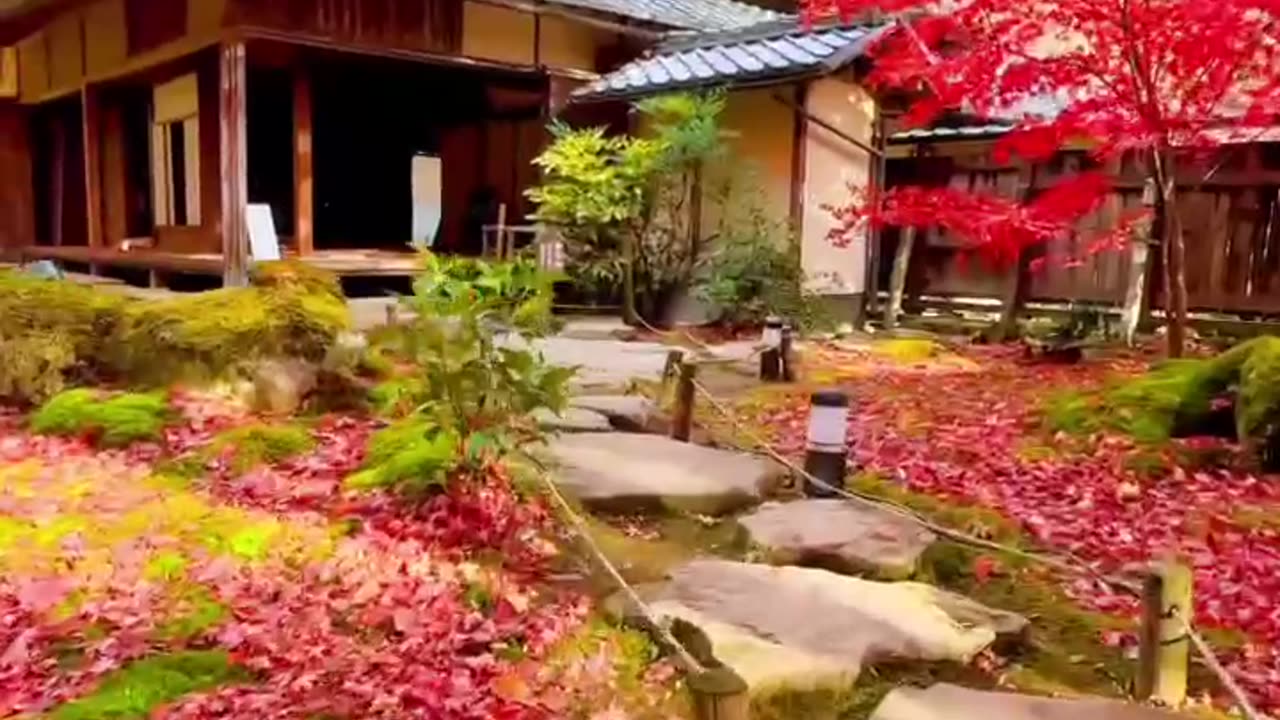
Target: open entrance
{"type": "Point", "coordinates": [57, 137]}
{"type": "Point", "coordinates": [401, 150]}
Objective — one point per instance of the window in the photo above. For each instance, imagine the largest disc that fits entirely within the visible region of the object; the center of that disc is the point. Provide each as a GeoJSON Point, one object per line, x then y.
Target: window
{"type": "Point", "coordinates": [175, 153]}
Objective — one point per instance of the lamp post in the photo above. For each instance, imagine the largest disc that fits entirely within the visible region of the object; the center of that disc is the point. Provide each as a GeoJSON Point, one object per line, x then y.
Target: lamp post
{"type": "Point", "coordinates": [827, 455]}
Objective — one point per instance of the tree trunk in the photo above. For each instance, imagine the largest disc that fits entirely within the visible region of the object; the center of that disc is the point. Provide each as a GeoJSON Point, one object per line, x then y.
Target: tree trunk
{"type": "Point", "coordinates": [1136, 291]}
{"type": "Point", "coordinates": [1015, 295]}
{"type": "Point", "coordinates": [898, 280]}
{"type": "Point", "coordinates": [1175, 302]}
{"type": "Point", "coordinates": [629, 279]}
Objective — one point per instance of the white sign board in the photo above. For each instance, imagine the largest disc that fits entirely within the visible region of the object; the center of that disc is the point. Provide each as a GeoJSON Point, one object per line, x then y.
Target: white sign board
{"type": "Point", "coordinates": [264, 244]}
{"type": "Point", "coordinates": [427, 182]}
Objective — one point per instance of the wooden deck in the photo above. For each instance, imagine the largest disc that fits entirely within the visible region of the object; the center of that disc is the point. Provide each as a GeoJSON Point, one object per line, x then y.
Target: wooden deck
{"type": "Point", "coordinates": [348, 263]}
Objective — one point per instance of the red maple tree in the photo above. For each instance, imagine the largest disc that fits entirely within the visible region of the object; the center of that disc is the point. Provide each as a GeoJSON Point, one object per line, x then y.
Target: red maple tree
{"type": "Point", "coordinates": [1165, 80]}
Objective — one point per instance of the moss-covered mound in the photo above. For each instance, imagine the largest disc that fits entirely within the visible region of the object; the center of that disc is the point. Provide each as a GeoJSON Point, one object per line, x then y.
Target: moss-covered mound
{"type": "Point", "coordinates": [1236, 393]}
{"type": "Point", "coordinates": [110, 420]}
{"type": "Point", "coordinates": [59, 333]}
{"type": "Point", "coordinates": [259, 444]}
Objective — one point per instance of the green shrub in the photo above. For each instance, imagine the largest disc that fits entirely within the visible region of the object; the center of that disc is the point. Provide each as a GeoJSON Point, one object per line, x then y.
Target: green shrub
{"type": "Point", "coordinates": [135, 690]}
{"type": "Point", "coordinates": [112, 421]}
{"type": "Point", "coordinates": [413, 455]}
{"type": "Point", "coordinates": [259, 444]}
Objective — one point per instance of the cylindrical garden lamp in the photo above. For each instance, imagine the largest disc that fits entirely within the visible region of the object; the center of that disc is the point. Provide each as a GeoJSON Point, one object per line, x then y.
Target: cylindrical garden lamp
{"type": "Point", "coordinates": [827, 456]}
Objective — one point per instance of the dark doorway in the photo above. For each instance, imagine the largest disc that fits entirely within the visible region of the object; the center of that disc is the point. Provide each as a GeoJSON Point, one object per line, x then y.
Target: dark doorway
{"type": "Point", "coordinates": [58, 169]}
{"type": "Point", "coordinates": [269, 123]}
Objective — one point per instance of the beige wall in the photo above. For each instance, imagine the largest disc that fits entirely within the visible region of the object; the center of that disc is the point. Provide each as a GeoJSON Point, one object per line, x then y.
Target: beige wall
{"type": "Point", "coordinates": [832, 164]}
{"type": "Point", "coordinates": [510, 36]}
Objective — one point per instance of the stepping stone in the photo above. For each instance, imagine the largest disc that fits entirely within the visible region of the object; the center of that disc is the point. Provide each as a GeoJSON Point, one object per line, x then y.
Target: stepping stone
{"type": "Point", "coordinates": [630, 413]}
{"type": "Point", "coordinates": [803, 629]}
{"type": "Point", "coordinates": [623, 472]}
{"type": "Point", "coordinates": [950, 702]}
{"type": "Point", "coordinates": [841, 536]}
{"type": "Point", "coordinates": [573, 419]}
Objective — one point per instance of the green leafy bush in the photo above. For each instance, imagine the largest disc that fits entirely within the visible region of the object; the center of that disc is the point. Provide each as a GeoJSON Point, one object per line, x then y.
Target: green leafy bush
{"type": "Point", "coordinates": [608, 193]}
{"type": "Point", "coordinates": [111, 420]}
{"type": "Point", "coordinates": [477, 378]}
{"type": "Point", "coordinates": [755, 271]}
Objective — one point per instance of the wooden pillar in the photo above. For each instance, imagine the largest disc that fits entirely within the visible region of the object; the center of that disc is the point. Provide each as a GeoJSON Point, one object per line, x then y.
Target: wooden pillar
{"type": "Point", "coordinates": [114, 174]}
{"type": "Point", "coordinates": [91, 125]}
{"type": "Point", "coordinates": [17, 184]}
{"type": "Point", "coordinates": [303, 174]}
{"type": "Point", "coordinates": [235, 175]}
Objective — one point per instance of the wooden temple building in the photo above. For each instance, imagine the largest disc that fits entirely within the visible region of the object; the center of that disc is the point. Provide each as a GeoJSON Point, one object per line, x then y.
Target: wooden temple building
{"type": "Point", "coordinates": [135, 135]}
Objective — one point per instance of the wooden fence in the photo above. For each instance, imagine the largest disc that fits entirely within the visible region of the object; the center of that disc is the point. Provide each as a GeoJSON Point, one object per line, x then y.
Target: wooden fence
{"type": "Point", "coordinates": [1231, 224]}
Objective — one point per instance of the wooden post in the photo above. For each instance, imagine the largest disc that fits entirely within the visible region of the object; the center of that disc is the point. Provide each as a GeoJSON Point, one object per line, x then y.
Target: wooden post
{"type": "Point", "coordinates": [719, 694]}
{"type": "Point", "coordinates": [1164, 647]}
{"type": "Point", "coordinates": [1135, 292]}
{"type": "Point", "coordinates": [629, 314]}
{"type": "Point", "coordinates": [235, 175]}
{"type": "Point", "coordinates": [786, 356]}
{"type": "Point", "coordinates": [501, 233]}
{"type": "Point", "coordinates": [392, 310]}
{"type": "Point", "coordinates": [91, 120]}
{"type": "Point", "coordinates": [682, 418]}
{"type": "Point", "coordinates": [669, 371]}
{"type": "Point", "coordinates": [303, 166]}
{"type": "Point", "coordinates": [898, 280]}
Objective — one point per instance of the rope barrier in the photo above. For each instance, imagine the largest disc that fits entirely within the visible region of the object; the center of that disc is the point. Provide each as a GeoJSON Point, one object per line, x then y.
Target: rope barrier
{"type": "Point", "coordinates": [691, 663]}
{"type": "Point", "coordinates": [1071, 564]}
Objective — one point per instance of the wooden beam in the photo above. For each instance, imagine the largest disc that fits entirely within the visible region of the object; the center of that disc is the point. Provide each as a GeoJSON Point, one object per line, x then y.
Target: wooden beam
{"type": "Point", "coordinates": [91, 123]}
{"type": "Point", "coordinates": [235, 175]}
{"type": "Point", "coordinates": [303, 172]}
{"type": "Point", "coordinates": [114, 174]}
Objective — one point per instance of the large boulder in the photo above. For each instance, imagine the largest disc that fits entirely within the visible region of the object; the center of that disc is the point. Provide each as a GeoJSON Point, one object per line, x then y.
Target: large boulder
{"type": "Point", "coordinates": [622, 472]}
{"type": "Point", "coordinates": [788, 628]}
{"type": "Point", "coordinates": [949, 702]}
{"type": "Point", "coordinates": [281, 385]}
{"type": "Point", "coordinates": [841, 536]}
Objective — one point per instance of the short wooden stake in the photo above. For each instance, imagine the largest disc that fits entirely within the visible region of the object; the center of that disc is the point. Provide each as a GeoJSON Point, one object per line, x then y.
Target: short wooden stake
{"type": "Point", "coordinates": [671, 369]}
{"type": "Point", "coordinates": [770, 358]}
{"type": "Point", "coordinates": [786, 357]}
{"type": "Point", "coordinates": [682, 418]}
{"type": "Point", "coordinates": [719, 694]}
{"type": "Point", "coordinates": [1164, 648]}
{"type": "Point", "coordinates": [392, 312]}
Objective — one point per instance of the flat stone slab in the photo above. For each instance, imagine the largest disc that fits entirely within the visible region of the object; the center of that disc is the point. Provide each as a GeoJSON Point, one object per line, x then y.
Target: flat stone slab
{"type": "Point", "coordinates": [950, 702]}
{"type": "Point", "coordinates": [623, 472]}
{"type": "Point", "coordinates": [573, 419]}
{"type": "Point", "coordinates": [631, 413]}
{"type": "Point", "coordinates": [841, 536]}
{"type": "Point", "coordinates": [801, 628]}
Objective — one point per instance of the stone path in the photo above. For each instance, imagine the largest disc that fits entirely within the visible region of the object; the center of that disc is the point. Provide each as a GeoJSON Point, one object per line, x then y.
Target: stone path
{"type": "Point", "coordinates": [780, 625]}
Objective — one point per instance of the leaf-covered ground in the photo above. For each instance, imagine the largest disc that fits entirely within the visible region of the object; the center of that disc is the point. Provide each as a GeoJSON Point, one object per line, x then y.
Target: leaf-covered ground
{"type": "Point", "coordinates": [179, 581]}
{"type": "Point", "coordinates": [969, 428]}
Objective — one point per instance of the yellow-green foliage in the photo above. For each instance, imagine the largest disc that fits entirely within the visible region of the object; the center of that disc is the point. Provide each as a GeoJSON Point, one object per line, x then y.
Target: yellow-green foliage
{"type": "Point", "coordinates": [58, 332]}
{"type": "Point", "coordinates": [1258, 400]}
{"type": "Point", "coordinates": [207, 334]}
{"type": "Point", "coordinates": [259, 444]}
{"type": "Point", "coordinates": [132, 692]}
{"type": "Point", "coordinates": [112, 420]}
{"type": "Point", "coordinates": [45, 327]}
{"type": "Point", "coordinates": [295, 275]}
{"type": "Point", "coordinates": [906, 350]}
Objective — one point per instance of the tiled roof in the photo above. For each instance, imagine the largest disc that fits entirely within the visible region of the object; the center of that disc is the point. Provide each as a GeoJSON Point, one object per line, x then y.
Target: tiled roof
{"type": "Point", "coordinates": [962, 132]}
{"type": "Point", "coordinates": [768, 52]}
{"type": "Point", "coordinates": [699, 15]}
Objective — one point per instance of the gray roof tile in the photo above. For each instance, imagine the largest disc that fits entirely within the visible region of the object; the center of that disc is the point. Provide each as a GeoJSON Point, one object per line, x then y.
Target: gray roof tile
{"type": "Point", "coordinates": [767, 52]}
{"type": "Point", "coordinates": [697, 15]}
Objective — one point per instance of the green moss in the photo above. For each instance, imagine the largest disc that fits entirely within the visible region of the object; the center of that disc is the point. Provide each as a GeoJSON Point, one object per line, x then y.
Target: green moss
{"type": "Point", "coordinates": [203, 336]}
{"type": "Point", "coordinates": [907, 351]}
{"type": "Point", "coordinates": [295, 275]}
{"type": "Point", "coordinates": [397, 397]}
{"type": "Point", "coordinates": [200, 612]}
{"type": "Point", "coordinates": [412, 454]}
{"type": "Point", "coordinates": [1258, 401]}
{"type": "Point", "coordinates": [259, 444]}
{"type": "Point", "coordinates": [132, 692]}
{"type": "Point", "coordinates": [113, 421]}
